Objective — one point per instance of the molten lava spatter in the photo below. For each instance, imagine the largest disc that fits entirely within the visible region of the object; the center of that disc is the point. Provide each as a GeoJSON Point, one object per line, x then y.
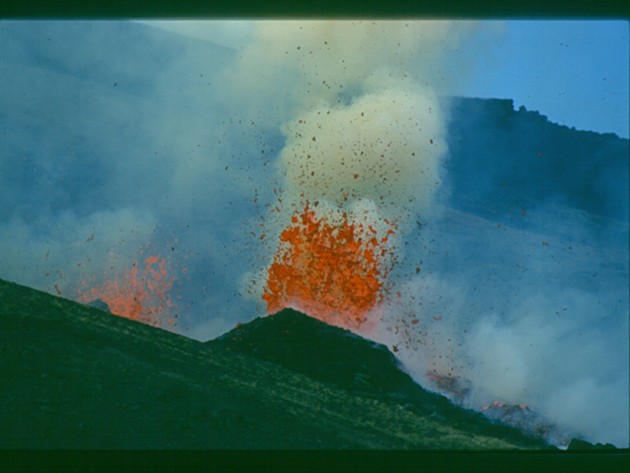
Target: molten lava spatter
{"type": "Point", "coordinates": [139, 294]}
{"type": "Point", "coordinates": [332, 271]}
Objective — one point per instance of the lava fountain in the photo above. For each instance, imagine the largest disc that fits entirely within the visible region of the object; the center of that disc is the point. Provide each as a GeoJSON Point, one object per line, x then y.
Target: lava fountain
{"type": "Point", "coordinates": [140, 293]}
{"type": "Point", "coordinates": [333, 269]}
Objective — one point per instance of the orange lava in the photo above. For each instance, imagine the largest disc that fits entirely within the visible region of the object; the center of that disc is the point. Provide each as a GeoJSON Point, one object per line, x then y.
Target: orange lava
{"type": "Point", "coordinates": [333, 272]}
{"type": "Point", "coordinates": [139, 294]}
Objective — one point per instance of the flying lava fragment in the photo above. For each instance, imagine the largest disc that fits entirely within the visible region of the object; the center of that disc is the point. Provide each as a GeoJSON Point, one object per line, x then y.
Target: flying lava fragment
{"type": "Point", "coordinates": [333, 271]}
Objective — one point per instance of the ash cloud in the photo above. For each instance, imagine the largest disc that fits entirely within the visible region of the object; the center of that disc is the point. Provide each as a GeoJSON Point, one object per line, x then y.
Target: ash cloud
{"type": "Point", "coordinates": [353, 100]}
{"type": "Point", "coordinates": [117, 131]}
{"type": "Point", "coordinates": [525, 322]}
{"type": "Point", "coordinates": [384, 147]}
{"type": "Point", "coordinates": [513, 256]}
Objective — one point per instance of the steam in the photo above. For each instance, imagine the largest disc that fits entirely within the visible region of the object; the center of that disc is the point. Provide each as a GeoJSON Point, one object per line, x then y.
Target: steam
{"type": "Point", "coordinates": [384, 147]}
{"type": "Point", "coordinates": [363, 122]}
{"type": "Point", "coordinates": [121, 135]}
{"type": "Point", "coordinates": [62, 252]}
{"type": "Point", "coordinates": [294, 66]}
{"type": "Point", "coordinates": [123, 142]}
{"type": "Point", "coordinates": [529, 322]}
{"type": "Point", "coordinates": [362, 127]}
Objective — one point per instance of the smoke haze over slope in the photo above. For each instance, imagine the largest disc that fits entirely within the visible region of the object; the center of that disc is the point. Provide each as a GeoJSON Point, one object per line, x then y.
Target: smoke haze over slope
{"type": "Point", "coordinates": [512, 248]}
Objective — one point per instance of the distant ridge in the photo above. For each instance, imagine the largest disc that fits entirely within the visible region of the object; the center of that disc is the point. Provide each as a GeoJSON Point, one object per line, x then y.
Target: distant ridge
{"type": "Point", "coordinates": [502, 159]}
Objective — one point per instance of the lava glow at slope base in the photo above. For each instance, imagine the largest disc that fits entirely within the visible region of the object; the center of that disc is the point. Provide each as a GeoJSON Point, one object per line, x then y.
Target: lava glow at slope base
{"type": "Point", "coordinates": [334, 271]}
{"type": "Point", "coordinates": [138, 294]}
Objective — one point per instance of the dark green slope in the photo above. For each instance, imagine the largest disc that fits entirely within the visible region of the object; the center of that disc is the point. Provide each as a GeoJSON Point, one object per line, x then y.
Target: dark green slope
{"type": "Point", "coordinates": [345, 360]}
{"type": "Point", "coordinates": [76, 377]}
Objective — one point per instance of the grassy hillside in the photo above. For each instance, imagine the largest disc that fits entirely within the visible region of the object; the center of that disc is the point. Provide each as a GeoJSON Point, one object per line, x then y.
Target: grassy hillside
{"type": "Point", "coordinates": [342, 359]}
{"type": "Point", "coordinates": [77, 377]}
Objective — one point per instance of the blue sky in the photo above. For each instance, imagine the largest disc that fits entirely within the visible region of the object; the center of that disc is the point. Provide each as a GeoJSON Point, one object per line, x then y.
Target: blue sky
{"type": "Point", "coordinates": [574, 72]}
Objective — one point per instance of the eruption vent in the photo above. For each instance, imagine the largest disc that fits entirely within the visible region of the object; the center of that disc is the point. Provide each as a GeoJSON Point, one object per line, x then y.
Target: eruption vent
{"type": "Point", "coordinates": [138, 294]}
{"type": "Point", "coordinates": [366, 132]}
{"type": "Point", "coordinates": [332, 269]}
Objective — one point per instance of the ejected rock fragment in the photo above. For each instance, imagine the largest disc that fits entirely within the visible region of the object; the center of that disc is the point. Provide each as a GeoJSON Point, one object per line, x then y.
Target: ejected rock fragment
{"type": "Point", "coordinates": [99, 304]}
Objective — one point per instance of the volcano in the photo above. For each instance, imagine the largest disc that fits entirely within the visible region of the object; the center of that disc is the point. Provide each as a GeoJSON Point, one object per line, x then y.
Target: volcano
{"type": "Point", "coordinates": [78, 377]}
{"type": "Point", "coordinates": [344, 360]}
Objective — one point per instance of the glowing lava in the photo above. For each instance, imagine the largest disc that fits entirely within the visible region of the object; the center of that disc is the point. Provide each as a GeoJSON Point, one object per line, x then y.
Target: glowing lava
{"type": "Point", "coordinates": [334, 272]}
{"type": "Point", "coordinates": [139, 294]}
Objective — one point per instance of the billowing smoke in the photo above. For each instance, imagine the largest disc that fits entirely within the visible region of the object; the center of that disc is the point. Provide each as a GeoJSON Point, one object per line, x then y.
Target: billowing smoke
{"type": "Point", "coordinates": [384, 147]}
{"type": "Point", "coordinates": [57, 251]}
{"type": "Point", "coordinates": [522, 317]}
{"type": "Point", "coordinates": [355, 106]}
{"type": "Point", "coordinates": [361, 123]}
{"type": "Point", "coordinates": [297, 66]}
{"type": "Point", "coordinates": [117, 138]}
{"type": "Point", "coordinates": [360, 119]}
{"type": "Point", "coordinates": [511, 248]}
{"type": "Point", "coordinates": [507, 306]}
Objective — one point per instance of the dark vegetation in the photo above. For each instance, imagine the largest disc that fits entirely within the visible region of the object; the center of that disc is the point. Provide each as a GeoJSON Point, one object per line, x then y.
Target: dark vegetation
{"type": "Point", "coordinates": [342, 359]}
{"type": "Point", "coordinates": [77, 377]}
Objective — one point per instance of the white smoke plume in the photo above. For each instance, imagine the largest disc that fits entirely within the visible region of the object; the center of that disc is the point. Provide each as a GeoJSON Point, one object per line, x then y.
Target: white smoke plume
{"type": "Point", "coordinates": [526, 318]}
{"type": "Point", "coordinates": [364, 119]}
{"type": "Point", "coordinates": [385, 147]}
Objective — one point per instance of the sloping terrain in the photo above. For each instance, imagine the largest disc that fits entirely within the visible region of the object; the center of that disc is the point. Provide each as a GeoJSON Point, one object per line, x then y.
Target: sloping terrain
{"type": "Point", "coordinates": [77, 377]}
{"type": "Point", "coordinates": [502, 160]}
{"type": "Point", "coordinates": [342, 359]}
